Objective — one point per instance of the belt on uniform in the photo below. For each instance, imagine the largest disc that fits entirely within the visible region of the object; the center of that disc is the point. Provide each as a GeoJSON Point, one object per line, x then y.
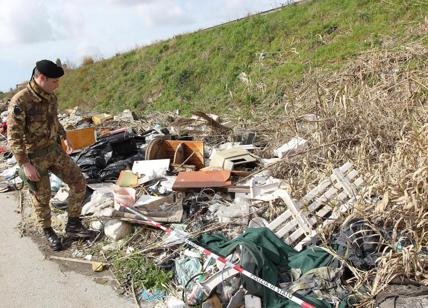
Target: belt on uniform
{"type": "Point", "coordinates": [43, 151]}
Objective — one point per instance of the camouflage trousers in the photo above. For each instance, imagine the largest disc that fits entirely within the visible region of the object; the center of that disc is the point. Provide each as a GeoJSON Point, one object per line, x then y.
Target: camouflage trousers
{"type": "Point", "coordinates": [60, 164]}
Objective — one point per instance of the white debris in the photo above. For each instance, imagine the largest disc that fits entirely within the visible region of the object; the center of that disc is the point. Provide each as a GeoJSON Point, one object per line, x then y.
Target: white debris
{"type": "Point", "coordinates": [244, 78]}
{"type": "Point", "coordinates": [234, 214]}
{"type": "Point", "coordinates": [97, 203]}
{"type": "Point", "coordinates": [116, 229]}
{"type": "Point", "coordinates": [294, 146]}
{"type": "Point", "coordinates": [150, 169]}
{"type": "Point", "coordinates": [113, 246]}
{"type": "Point", "coordinates": [9, 173]}
{"type": "Point", "coordinates": [88, 257]}
{"type": "Point", "coordinates": [173, 302]}
{"type": "Point", "coordinates": [61, 195]}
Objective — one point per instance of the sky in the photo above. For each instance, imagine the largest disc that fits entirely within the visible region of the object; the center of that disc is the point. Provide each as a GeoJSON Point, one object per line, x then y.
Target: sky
{"type": "Point", "coordinates": [31, 30]}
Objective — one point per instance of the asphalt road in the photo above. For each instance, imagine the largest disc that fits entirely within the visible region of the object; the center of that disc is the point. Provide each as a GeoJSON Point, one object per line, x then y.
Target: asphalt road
{"type": "Point", "coordinates": [27, 279]}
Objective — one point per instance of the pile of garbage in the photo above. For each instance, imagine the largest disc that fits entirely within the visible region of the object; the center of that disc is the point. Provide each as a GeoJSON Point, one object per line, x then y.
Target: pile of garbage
{"type": "Point", "coordinates": [184, 189]}
{"type": "Point", "coordinates": [209, 213]}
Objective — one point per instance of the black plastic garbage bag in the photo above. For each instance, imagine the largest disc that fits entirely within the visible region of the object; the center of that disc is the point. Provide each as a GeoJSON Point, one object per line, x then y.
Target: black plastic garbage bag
{"type": "Point", "coordinates": [112, 171]}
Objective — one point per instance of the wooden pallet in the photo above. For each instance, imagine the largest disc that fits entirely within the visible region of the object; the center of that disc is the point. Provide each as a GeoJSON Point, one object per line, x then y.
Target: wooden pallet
{"type": "Point", "coordinates": [319, 207]}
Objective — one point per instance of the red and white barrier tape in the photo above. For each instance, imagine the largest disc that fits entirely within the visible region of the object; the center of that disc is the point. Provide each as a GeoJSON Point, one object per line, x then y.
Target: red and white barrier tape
{"type": "Point", "coordinates": [265, 283]}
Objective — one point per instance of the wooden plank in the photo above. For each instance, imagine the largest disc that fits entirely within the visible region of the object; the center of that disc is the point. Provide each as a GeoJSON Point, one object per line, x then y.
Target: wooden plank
{"type": "Point", "coordinates": [187, 149]}
{"type": "Point", "coordinates": [280, 219]}
{"type": "Point", "coordinates": [347, 205]}
{"type": "Point", "coordinates": [287, 229]}
{"type": "Point", "coordinates": [323, 185]}
{"type": "Point", "coordinates": [351, 176]}
{"type": "Point", "coordinates": [344, 181]}
{"type": "Point", "coordinates": [342, 206]}
{"type": "Point", "coordinates": [296, 235]}
{"type": "Point", "coordinates": [326, 209]}
{"type": "Point", "coordinates": [331, 197]}
{"type": "Point", "coordinates": [323, 212]}
{"type": "Point", "coordinates": [295, 211]}
{"type": "Point", "coordinates": [191, 150]}
{"type": "Point", "coordinates": [319, 189]}
{"type": "Point", "coordinates": [358, 183]}
{"type": "Point", "coordinates": [326, 197]}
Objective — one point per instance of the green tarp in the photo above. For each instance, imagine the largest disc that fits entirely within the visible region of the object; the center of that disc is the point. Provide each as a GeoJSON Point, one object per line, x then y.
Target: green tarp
{"type": "Point", "coordinates": [266, 256]}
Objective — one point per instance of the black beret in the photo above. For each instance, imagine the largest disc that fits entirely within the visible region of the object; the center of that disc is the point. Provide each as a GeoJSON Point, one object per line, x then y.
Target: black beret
{"type": "Point", "coordinates": [49, 69]}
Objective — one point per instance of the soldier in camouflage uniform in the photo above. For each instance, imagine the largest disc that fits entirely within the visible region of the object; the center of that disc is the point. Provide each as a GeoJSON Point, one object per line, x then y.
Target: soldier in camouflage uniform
{"type": "Point", "coordinates": [34, 134]}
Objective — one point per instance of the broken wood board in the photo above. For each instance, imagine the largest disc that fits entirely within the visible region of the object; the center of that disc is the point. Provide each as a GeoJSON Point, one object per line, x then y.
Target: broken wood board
{"type": "Point", "coordinates": [202, 179]}
{"type": "Point", "coordinates": [80, 138]}
{"type": "Point", "coordinates": [321, 206]}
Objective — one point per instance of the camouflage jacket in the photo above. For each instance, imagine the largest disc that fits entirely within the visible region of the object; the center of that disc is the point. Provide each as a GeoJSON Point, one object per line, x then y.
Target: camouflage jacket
{"type": "Point", "coordinates": [32, 122]}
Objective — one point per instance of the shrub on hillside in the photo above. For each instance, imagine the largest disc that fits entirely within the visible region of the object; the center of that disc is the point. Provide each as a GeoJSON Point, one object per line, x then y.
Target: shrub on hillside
{"type": "Point", "coordinates": [87, 60]}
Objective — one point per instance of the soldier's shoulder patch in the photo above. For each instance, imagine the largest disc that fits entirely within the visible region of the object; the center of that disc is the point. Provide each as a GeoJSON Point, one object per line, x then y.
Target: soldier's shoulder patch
{"type": "Point", "coordinates": [17, 110]}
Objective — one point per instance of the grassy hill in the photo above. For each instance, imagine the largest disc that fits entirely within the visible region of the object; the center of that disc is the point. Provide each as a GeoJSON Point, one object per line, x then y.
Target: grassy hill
{"type": "Point", "coordinates": [241, 65]}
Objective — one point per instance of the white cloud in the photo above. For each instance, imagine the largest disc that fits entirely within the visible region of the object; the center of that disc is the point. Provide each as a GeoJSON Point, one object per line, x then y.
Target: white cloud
{"type": "Point", "coordinates": [27, 22]}
{"type": "Point", "coordinates": [15, 21]}
{"type": "Point", "coordinates": [163, 13]}
{"type": "Point", "coordinates": [31, 30]}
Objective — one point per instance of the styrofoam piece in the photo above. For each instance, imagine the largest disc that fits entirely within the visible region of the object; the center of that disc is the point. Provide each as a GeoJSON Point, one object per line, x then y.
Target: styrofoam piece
{"type": "Point", "coordinates": [191, 253]}
{"type": "Point", "coordinates": [166, 185]}
{"type": "Point", "coordinates": [260, 186]}
{"type": "Point", "coordinates": [116, 229]}
{"type": "Point", "coordinates": [151, 169]}
{"type": "Point", "coordinates": [294, 146]}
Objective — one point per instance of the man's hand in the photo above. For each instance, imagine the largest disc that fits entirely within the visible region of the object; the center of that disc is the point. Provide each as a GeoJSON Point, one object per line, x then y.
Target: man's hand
{"type": "Point", "coordinates": [31, 172]}
{"type": "Point", "coordinates": [68, 146]}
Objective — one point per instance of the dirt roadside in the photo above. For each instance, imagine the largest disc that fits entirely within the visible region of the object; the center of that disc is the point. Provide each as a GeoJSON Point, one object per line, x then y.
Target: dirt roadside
{"type": "Point", "coordinates": [27, 279]}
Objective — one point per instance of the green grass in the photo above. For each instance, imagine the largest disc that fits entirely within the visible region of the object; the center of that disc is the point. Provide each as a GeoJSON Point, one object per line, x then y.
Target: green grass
{"type": "Point", "coordinates": [3, 95]}
{"type": "Point", "coordinates": [140, 270]}
{"type": "Point", "coordinates": [199, 71]}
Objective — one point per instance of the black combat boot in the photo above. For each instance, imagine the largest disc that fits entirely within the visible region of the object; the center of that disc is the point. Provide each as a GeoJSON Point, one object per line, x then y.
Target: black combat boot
{"type": "Point", "coordinates": [53, 239]}
{"type": "Point", "coordinates": [75, 229]}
